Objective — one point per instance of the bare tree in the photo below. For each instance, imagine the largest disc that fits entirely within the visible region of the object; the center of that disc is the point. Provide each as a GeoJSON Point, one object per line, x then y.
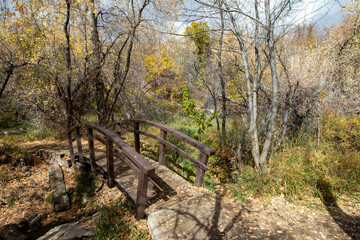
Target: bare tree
{"type": "Point", "coordinates": [254, 24]}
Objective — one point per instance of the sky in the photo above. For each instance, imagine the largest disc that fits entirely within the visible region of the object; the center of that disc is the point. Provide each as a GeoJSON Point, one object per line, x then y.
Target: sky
{"type": "Point", "coordinates": [323, 12]}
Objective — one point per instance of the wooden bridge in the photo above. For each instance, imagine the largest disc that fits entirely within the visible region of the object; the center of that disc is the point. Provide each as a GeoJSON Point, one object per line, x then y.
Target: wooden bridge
{"type": "Point", "coordinates": [146, 182]}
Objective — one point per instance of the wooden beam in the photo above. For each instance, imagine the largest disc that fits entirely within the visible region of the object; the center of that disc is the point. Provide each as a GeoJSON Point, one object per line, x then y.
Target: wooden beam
{"type": "Point", "coordinates": [162, 148]}
{"type": "Point", "coordinates": [173, 132]}
{"type": "Point", "coordinates": [200, 172]}
{"type": "Point", "coordinates": [141, 196]}
{"type": "Point", "coordinates": [137, 136]}
{"type": "Point", "coordinates": [110, 162]}
{"type": "Point", "coordinates": [92, 149]}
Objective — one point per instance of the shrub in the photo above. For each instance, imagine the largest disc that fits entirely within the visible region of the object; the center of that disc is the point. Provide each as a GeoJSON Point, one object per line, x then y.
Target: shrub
{"type": "Point", "coordinates": [14, 156]}
{"type": "Point", "coordinates": [342, 131]}
{"type": "Point", "coordinates": [297, 169]}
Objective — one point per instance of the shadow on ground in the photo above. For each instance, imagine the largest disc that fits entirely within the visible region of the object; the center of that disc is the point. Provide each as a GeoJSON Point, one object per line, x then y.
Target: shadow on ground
{"type": "Point", "coordinates": [349, 224]}
{"type": "Point", "coordinates": [209, 217]}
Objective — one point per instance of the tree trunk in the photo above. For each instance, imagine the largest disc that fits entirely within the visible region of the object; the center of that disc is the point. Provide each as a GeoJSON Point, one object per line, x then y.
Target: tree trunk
{"type": "Point", "coordinates": [68, 99]}
{"type": "Point", "coordinates": [9, 73]}
{"type": "Point", "coordinates": [275, 86]}
{"type": "Point", "coordinates": [96, 66]}
{"type": "Point", "coordinates": [222, 80]}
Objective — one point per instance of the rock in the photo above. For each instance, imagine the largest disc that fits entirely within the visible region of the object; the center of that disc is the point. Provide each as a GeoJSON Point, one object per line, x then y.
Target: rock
{"type": "Point", "coordinates": [57, 185]}
{"type": "Point", "coordinates": [16, 132]}
{"type": "Point", "coordinates": [30, 223]}
{"type": "Point", "coordinates": [68, 231]}
{"type": "Point", "coordinates": [85, 199]}
{"type": "Point", "coordinates": [98, 185]}
{"type": "Point", "coordinates": [35, 223]}
{"type": "Point", "coordinates": [12, 232]}
{"type": "Point", "coordinates": [78, 230]}
{"type": "Point", "coordinates": [112, 194]}
{"type": "Point", "coordinates": [79, 167]}
{"type": "Point", "coordinates": [53, 157]}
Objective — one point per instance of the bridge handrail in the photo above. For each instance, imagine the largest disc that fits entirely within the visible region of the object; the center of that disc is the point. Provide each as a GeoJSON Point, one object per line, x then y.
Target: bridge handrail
{"type": "Point", "coordinates": [137, 158]}
{"type": "Point", "coordinates": [203, 148]}
{"type": "Point", "coordinates": [205, 151]}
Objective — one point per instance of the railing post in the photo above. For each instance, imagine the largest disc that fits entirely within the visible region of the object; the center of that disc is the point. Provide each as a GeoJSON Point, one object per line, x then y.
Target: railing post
{"type": "Point", "coordinates": [137, 136]}
{"type": "Point", "coordinates": [78, 140]}
{"type": "Point", "coordinates": [141, 196]}
{"type": "Point", "coordinates": [92, 149]}
{"type": "Point", "coordinates": [200, 172]}
{"type": "Point", "coordinates": [71, 148]}
{"type": "Point", "coordinates": [110, 162]}
{"type": "Point", "coordinates": [162, 148]}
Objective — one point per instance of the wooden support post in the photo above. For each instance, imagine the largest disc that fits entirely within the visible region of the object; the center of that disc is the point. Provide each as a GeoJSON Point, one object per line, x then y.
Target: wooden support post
{"type": "Point", "coordinates": [71, 148]}
{"type": "Point", "coordinates": [200, 172]}
{"type": "Point", "coordinates": [162, 148]}
{"type": "Point", "coordinates": [92, 149]}
{"type": "Point", "coordinates": [141, 196]}
{"type": "Point", "coordinates": [78, 140]}
{"type": "Point", "coordinates": [110, 162]}
{"type": "Point", "coordinates": [137, 136]}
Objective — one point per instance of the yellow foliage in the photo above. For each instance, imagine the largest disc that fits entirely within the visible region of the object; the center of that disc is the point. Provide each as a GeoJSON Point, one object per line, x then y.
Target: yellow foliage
{"type": "Point", "coordinates": [162, 74]}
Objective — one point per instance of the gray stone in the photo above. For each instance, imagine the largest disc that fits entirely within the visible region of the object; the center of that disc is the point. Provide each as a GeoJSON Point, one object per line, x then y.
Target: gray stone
{"type": "Point", "coordinates": [68, 231]}
{"type": "Point", "coordinates": [57, 185]}
{"type": "Point", "coordinates": [98, 185]}
{"type": "Point", "coordinates": [30, 223]}
{"type": "Point", "coordinates": [35, 223]}
{"type": "Point", "coordinates": [79, 167]}
{"type": "Point", "coordinates": [85, 199]}
{"type": "Point", "coordinates": [15, 132]}
{"type": "Point", "coordinates": [54, 157]}
{"type": "Point", "coordinates": [113, 194]}
{"type": "Point", "coordinates": [78, 230]}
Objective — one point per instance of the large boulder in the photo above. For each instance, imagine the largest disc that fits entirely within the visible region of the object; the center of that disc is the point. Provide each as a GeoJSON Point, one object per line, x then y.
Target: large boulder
{"type": "Point", "coordinates": [60, 197]}
{"type": "Point", "coordinates": [83, 229]}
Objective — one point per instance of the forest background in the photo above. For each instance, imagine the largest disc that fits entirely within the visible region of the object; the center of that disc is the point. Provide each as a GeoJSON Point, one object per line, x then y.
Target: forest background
{"type": "Point", "coordinates": [276, 98]}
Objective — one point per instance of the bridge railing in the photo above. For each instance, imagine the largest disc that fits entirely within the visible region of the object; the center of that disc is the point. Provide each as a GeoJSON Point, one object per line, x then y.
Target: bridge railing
{"type": "Point", "coordinates": [118, 147]}
{"type": "Point", "coordinates": [200, 163]}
